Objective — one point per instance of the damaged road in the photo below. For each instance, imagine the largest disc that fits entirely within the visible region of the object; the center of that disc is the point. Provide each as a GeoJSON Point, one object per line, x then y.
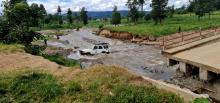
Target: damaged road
{"type": "Point", "coordinates": [141, 59]}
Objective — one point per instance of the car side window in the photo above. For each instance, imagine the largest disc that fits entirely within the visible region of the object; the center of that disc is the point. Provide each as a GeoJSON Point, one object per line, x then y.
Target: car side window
{"type": "Point", "coordinates": [95, 47]}
{"type": "Point", "coordinates": [100, 47]}
{"type": "Point", "coordinates": [106, 46]}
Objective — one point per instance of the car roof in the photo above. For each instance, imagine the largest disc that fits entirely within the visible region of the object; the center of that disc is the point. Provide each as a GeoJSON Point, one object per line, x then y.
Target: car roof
{"type": "Point", "coordinates": [101, 44]}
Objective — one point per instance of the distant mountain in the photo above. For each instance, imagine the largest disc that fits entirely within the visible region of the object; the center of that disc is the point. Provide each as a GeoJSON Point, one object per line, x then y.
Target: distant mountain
{"type": "Point", "coordinates": [104, 14]}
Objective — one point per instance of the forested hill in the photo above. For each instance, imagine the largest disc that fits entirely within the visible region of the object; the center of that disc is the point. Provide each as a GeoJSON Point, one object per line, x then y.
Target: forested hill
{"type": "Point", "coordinates": [105, 14]}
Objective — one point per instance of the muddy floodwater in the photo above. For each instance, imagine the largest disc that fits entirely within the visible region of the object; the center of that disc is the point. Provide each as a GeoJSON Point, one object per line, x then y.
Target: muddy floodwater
{"type": "Point", "coordinates": [141, 59]}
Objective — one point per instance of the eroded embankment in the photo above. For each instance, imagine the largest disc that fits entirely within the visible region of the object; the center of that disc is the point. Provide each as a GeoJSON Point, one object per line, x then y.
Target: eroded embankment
{"type": "Point", "coordinates": [124, 35]}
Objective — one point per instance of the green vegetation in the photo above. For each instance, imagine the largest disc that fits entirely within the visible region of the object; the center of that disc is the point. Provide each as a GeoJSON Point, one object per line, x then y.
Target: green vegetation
{"type": "Point", "coordinates": [97, 85]}
{"type": "Point", "coordinates": [59, 27]}
{"type": "Point", "coordinates": [34, 49]}
{"type": "Point", "coordinates": [84, 16]}
{"type": "Point", "coordinates": [29, 87]}
{"type": "Point", "coordinates": [116, 17]}
{"type": "Point", "coordinates": [202, 100]}
{"type": "Point", "coordinates": [60, 60]}
{"type": "Point", "coordinates": [170, 25]}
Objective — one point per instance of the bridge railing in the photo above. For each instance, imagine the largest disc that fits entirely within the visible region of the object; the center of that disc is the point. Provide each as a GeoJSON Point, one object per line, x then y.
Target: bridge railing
{"type": "Point", "coordinates": [182, 38]}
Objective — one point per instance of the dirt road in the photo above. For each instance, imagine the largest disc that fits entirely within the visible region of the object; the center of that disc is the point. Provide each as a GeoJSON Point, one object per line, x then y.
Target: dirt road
{"type": "Point", "coordinates": [141, 59]}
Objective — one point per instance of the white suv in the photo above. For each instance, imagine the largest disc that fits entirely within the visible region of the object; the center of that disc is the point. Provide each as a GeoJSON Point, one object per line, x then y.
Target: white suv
{"type": "Point", "coordinates": [97, 49]}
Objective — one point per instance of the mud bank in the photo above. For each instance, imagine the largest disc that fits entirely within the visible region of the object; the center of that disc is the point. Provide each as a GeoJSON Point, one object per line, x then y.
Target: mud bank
{"type": "Point", "coordinates": [116, 35]}
{"type": "Point", "coordinates": [125, 36]}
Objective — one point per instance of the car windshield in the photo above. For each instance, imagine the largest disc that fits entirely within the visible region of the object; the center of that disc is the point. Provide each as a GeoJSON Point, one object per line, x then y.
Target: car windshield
{"type": "Point", "coordinates": [95, 47]}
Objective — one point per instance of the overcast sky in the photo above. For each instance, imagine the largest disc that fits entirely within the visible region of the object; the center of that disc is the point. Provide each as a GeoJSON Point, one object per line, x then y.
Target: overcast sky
{"type": "Point", "coordinates": [93, 5]}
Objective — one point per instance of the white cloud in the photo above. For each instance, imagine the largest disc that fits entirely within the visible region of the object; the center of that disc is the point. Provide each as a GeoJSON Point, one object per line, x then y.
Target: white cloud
{"type": "Point", "coordinates": [93, 5]}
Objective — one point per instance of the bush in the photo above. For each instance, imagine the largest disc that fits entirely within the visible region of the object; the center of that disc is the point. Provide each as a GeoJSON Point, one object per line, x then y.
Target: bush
{"type": "Point", "coordinates": [34, 49]}
{"type": "Point", "coordinates": [101, 26]}
{"type": "Point", "coordinates": [60, 60]}
{"type": "Point", "coordinates": [22, 37]}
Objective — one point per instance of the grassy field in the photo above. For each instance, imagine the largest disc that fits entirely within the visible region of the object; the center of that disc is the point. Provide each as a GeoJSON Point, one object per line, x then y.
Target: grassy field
{"type": "Point", "coordinates": [169, 26]}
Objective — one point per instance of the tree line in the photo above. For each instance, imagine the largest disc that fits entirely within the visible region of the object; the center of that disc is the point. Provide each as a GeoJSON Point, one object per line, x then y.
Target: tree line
{"type": "Point", "coordinates": [19, 18]}
{"type": "Point", "coordinates": [161, 10]}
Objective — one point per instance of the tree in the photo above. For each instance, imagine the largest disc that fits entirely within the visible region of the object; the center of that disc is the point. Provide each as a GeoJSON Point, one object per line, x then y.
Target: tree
{"type": "Point", "coordinates": [13, 2]}
{"type": "Point", "coordinates": [83, 16]}
{"type": "Point", "coordinates": [48, 19]}
{"type": "Point", "coordinates": [210, 5]}
{"type": "Point", "coordinates": [18, 16]}
{"type": "Point", "coordinates": [200, 8]}
{"type": "Point", "coordinates": [43, 10]}
{"type": "Point", "coordinates": [159, 10]}
{"type": "Point", "coordinates": [191, 6]}
{"type": "Point", "coordinates": [141, 3]}
{"type": "Point", "coordinates": [116, 17]}
{"type": "Point", "coordinates": [60, 18]}
{"type": "Point", "coordinates": [35, 14]}
{"type": "Point", "coordinates": [133, 12]}
{"type": "Point", "coordinates": [69, 16]}
{"type": "Point", "coordinates": [147, 17]}
{"type": "Point", "coordinates": [217, 4]}
{"type": "Point", "coordinates": [171, 11]}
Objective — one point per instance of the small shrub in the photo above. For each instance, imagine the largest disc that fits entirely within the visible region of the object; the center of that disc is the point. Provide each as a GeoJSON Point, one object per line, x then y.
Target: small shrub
{"type": "Point", "coordinates": [101, 26]}
{"type": "Point", "coordinates": [34, 49]}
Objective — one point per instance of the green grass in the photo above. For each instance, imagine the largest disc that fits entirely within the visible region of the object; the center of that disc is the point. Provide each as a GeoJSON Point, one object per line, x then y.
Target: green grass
{"type": "Point", "coordinates": [29, 87]}
{"type": "Point", "coordinates": [201, 100]}
{"type": "Point", "coordinates": [98, 85]}
{"type": "Point", "coordinates": [60, 60]}
{"type": "Point", "coordinates": [11, 48]}
{"type": "Point", "coordinates": [170, 25]}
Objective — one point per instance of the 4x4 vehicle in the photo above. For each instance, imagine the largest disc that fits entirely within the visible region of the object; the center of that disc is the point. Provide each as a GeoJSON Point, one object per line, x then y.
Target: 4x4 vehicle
{"type": "Point", "coordinates": [96, 49]}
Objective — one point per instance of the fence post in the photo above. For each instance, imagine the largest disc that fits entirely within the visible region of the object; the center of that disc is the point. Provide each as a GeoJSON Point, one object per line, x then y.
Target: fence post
{"type": "Point", "coordinates": [182, 36]}
{"type": "Point", "coordinates": [163, 43]}
{"type": "Point", "coordinates": [200, 32]}
{"type": "Point", "coordinates": [215, 30]}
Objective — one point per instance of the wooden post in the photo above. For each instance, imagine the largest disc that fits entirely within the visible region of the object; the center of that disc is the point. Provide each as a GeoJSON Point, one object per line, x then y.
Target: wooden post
{"type": "Point", "coordinates": [182, 36]}
{"type": "Point", "coordinates": [164, 43]}
{"type": "Point", "coordinates": [215, 30]}
{"type": "Point", "coordinates": [200, 32]}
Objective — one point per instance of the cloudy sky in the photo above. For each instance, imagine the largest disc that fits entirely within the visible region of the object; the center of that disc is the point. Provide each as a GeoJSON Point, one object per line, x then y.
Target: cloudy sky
{"type": "Point", "coordinates": [92, 5]}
